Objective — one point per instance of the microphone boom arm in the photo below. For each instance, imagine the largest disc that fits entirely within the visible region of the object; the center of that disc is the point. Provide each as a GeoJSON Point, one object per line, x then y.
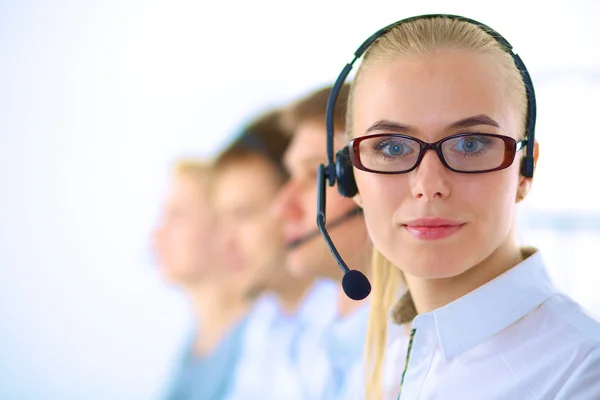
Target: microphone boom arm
{"type": "Point", "coordinates": [321, 220]}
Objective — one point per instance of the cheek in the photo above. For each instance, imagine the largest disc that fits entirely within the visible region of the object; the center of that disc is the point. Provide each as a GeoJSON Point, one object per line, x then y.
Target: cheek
{"type": "Point", "coordinates": [482, 197]}
{"type": "Point", "coordinates": [493, 200]}
{"type": "Point", "coordinates": [191, 245]}
{"type": "Point", "coordinates": [271, 234]}
{"type": "Point", "coordinates": [488, 202]}
{"type": "Point", "coordinates": [309, 202]}
{"type": "Point", "coordinates": [196, 232]}
{"type": "Point", "coordinates": [381, 196]}
{"type": "Point", "coordinates": [247, 237]}
{"type": "Point", "coordinates": [336, 205]}
{"type": "Point", "coordinates": [181, 237]}
{"type": "Point", "coordinates": [263, 236]}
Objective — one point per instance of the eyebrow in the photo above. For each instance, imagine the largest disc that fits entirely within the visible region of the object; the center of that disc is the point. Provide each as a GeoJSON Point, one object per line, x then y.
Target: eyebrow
{"type": "Point", "coordinates": [395, 127]}
{"type": "Point", "coordinates": [480, 119]}
{"type": "Point", "coordinates": [389, 126]}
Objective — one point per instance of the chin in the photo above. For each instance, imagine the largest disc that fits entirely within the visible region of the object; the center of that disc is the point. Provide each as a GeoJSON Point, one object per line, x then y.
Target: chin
{"type": "Point", "coordinates": [295, 266]}
{"type": "Point", "coordinates": [428, 260]}
{"type": "Point", "coordinates": [432, 271]}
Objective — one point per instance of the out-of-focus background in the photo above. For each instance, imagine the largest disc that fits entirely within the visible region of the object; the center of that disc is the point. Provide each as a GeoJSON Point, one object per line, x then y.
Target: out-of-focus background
{"type": "Point", "coordinates": [98, 97]}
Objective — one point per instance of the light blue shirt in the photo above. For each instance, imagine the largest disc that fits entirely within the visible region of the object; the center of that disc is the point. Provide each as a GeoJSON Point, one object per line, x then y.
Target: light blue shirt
{"type": "Point", "coordinates": [208, 378]}
{"type": "Point", "coordinates": [329, 356]}
{"type": "Point", "coordinates": [271, 345]}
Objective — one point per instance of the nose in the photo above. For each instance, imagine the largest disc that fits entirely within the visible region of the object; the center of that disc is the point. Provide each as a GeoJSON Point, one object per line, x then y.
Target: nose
{"type": "Point", "coordinates": [286, 205]}
{"type": "Point", "coordinates": [430, 179]}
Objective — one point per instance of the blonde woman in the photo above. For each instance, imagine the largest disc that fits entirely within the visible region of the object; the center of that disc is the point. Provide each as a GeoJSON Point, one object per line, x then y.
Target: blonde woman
{"type": "Point", "coordinates": [441, 120]}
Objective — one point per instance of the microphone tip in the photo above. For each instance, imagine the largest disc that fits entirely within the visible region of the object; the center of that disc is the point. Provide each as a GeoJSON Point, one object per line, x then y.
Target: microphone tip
{"type": "Point", "coordinates": [356, 285]}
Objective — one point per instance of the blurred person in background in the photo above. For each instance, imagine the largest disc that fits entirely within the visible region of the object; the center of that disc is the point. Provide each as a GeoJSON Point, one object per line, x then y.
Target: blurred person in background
{"type": "Point", "coordinates": [184, 245]}
{"type": "Point", "coordinates": [249, 175]}
{"type": "Point", "coordinates": [328, 355]}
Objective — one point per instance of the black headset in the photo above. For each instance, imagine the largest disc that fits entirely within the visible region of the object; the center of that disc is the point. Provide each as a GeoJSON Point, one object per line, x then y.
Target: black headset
{"type": "Point", "coordinates": [340, 169]}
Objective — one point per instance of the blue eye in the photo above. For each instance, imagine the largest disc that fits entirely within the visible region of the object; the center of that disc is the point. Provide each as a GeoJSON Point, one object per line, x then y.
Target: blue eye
{"type": "Point", "coordinates": [471, 144]}
{"type": "Point", "coordinates": [395, 149]}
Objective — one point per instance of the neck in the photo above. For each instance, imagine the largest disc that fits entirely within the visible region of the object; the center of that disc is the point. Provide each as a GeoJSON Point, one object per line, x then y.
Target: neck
{"type": "Point", "coordinates": [292, 293]}
{"type": "Point", "coordinates": [216, 309]}
{"type": "Point", "coordinates": [431, 294]}
{"type": "Point", "coordinates": [346, 305]}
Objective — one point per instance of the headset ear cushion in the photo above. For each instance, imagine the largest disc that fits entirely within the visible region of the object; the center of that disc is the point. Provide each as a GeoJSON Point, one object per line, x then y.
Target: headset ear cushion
{"type": "Point", "coordinates": [527, 167]}
{"type": "Point", "coordinates": [346, 184]}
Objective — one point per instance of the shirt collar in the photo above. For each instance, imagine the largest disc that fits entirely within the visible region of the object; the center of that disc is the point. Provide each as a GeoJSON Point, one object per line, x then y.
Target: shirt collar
{"type": "Point", "coordinates": [319, 305]}
{"type": "Point", "coordinates": [487, 310]}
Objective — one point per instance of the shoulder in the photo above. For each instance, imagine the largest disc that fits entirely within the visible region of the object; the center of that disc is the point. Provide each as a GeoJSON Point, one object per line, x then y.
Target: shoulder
{"type": "Point", "coordinates": [582, 332]}
{"type": "Point", "coordinates": [558, 323]}
{"type": "Point", "coordinates": [574, 318]}
{"type": "Point", "coordinates": [584, 381]}
{"type": "Point", "coordinates": [554, 350]}
{"type": "Point", "coordinates": [559, 327]}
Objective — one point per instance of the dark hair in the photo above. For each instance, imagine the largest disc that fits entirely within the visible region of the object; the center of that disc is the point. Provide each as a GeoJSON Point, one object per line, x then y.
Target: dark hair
{"type": "Point", "coordinates": [263, 137]}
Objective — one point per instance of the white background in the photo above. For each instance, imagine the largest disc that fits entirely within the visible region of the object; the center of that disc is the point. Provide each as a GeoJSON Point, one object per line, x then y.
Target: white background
{"type": "Point", "coordinates": [98, 97]}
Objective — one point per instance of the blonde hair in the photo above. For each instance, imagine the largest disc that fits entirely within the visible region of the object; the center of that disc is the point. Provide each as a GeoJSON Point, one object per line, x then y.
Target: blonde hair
{"type": "Point", "coordinates": [199, 170]}
{"type": "Point", "coordinates": [416, 38]}
{"type": "Point", "coordinates": [385, 281]}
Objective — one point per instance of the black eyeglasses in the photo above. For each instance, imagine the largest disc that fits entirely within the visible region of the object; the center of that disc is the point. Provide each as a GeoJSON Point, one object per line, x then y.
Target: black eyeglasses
{"type": "Point", "coordinates": [467, 153]}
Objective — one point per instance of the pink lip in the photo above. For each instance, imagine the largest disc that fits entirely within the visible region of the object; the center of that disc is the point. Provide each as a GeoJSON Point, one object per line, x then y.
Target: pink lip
{"type": "Point", "coordinates": [293, 235]}
{"type": "Point", "coordinates": [432, 228]}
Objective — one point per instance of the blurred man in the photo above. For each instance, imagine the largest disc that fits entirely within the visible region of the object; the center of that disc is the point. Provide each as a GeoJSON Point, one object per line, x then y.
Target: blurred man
{"type": "Point", "coordinates": [249, 174]}
{"type": "Point", "coordinates": [327, 361]}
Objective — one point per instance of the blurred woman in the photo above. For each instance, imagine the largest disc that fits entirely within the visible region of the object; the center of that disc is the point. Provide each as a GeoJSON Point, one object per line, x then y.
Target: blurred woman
{"type": "Point", "coordinates": [184, 244]}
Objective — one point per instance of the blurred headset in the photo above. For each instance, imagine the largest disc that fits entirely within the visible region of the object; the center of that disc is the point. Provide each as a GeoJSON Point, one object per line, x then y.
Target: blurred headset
{"type": "Point", "coordinates": [340, 170]}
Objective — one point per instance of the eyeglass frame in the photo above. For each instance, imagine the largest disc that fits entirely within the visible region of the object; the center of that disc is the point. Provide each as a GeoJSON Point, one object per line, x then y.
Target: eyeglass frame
{"type": "Point", "coordinates": [511, 148]}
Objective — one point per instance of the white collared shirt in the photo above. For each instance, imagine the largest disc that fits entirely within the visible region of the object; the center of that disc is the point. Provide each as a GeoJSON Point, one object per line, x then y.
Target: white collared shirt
{"type": "Point", "coordinates": [516, 337]}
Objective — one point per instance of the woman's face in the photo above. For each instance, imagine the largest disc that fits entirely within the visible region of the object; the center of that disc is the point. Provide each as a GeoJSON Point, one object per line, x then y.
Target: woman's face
{"type": "Point", "coordinates": [432, 222]}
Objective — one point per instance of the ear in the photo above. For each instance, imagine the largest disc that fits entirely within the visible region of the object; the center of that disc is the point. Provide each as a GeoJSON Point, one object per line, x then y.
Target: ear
{"type": "Point", "coordinates": [525, 183]}
{"type": "Point", "coordinates": [358, 200]}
